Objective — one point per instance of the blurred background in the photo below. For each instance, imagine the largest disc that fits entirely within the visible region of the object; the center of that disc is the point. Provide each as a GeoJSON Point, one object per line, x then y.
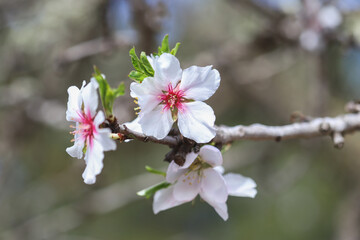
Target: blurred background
{"type": "Point", "coordinates": [275, 57]}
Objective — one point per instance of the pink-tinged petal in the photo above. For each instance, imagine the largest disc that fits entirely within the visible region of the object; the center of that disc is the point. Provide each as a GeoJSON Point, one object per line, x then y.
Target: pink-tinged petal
{"type": "Point", "coordinates": [240, 186]}
{"type": "Point", "coordinates": [156, 123]}
{"type": "Point", "coordinates": [196, 122]}
{"type": "Point", "coordinates": [187, 187]}
{"type": "Point", "coordinates": [213, 186]}
{"type": "Point", "coordinates": [174, 172]}
{"type": "Point", "coordinates": [211, 155]}
{"type": "Point", "coordinates": [164, 199]}
{"type": "Point", "coordinates": [90, 98]}
{"type": "Point", "coordinates": [94, 162]}
{"type": "Point", "coordinates": [200, 83]}
{"type": "Point", "coordinates": [73, 104]}
{"type": "Point", "coordinates": [134, 125]}
{"type": "Point", "coordinates": [76, 150]}
{"type": "Point", "coordinates": [189, 159]}
{"type": "Point", "coordinates": [167, 70]}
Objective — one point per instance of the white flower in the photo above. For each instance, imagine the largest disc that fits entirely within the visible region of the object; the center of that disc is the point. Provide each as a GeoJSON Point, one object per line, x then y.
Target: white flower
{"type": "Point", "coordinates": [173, 94]}
{"type": "Point", "coordinates": [88, 137]}
{"type": "Point", "coordinates": [201, 174]}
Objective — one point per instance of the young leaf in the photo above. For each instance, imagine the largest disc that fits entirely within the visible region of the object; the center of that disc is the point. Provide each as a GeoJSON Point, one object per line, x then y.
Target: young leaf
{"type": "Point", "coordinates": [175, 49]}
{"type": "Point", "coordinates": [120, 90]}
{"type": "Point", "coordinates": [154, 171]}
{"type": "Point", "coordinates": [107, 94]}
{"type": "Point", "coordinates": [165, 45]}
{"type": "Point", "coordinates": [137, 76]}
{"type": "Point", "coordinates": [150, 191]}
{"type": "Point", "coordinates": [146, 64]}
{"type": "Point", "coordinates": [134, 59]}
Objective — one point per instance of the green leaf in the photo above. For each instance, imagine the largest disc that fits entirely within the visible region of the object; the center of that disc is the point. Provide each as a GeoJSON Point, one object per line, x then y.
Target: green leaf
{"type": "Point", "coordinates": [165, 45]}
{"type": "Point", "coordinates": [134, 59]}
{"type": "Point", "coordinates": [146, 64]}
{"type": "Point", "coordinates": [150, 191]}
{"type": "Point", "coordinates": [120, 90]}
{"type": "Point", "coordinates": [137, 76]}
{"type": "Point", "coordinates": [175, 49]}
{"type": "Point", "coordinates": [154, 171]}
{"type": "Point", "coordinates": [107, 94]}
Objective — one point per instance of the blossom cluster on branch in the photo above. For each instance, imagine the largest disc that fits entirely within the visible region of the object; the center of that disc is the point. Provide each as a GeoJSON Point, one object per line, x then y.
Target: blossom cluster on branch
{"type": "Point", "coordinates": [171, 111]}
{"type": "Point", "coordinates": [171, 106]}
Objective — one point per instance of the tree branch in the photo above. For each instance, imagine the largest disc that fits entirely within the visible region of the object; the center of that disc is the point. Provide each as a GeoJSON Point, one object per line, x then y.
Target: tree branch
{"type": "Point", "coordinates": [335, 127]}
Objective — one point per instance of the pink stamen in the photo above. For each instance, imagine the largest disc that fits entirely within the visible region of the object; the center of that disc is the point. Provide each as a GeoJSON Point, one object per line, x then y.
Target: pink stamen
{"type": "Point", "coordinates": [173, 98]}
{"type": "Point", "coordinates": [86, 128]}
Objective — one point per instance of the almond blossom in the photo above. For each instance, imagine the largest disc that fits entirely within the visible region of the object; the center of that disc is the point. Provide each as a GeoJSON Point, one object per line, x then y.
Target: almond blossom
{"type": "Point", "coordinates": [88, 137]}
{"type": "Point", "coordinates": [176, 94]}
{"type": "Point", "coordinates": [202, 174]}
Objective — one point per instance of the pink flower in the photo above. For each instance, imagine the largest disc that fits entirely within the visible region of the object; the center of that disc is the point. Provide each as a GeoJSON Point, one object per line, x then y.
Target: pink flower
{"type": "Point", "coordinates": [88, 137]}
{"type": "Point", "coordinates": [173, 94]}
{"type": "Point", "coordinates": [202, 174]}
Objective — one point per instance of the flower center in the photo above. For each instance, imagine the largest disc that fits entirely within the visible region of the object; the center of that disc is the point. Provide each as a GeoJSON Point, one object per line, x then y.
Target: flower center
{"type": "Point", "coordinates": [173, 98]}
{"type": "Point", "coordinates": [86, 129]}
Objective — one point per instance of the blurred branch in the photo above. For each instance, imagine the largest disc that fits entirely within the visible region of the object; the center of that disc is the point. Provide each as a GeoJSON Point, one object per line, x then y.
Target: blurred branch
{"type": "Point", "coordinates": [265, 12]}
{"type": "Point", "coordinates": [335, 127]}
{"type": "Point", "coordinates": [94, 47]}
{"type": "Point", "coordinates": [147, 20]}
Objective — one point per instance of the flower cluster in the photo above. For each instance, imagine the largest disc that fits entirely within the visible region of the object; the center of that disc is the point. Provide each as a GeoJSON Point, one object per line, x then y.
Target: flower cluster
{"type": "Point", "coordinates": [166, 94]}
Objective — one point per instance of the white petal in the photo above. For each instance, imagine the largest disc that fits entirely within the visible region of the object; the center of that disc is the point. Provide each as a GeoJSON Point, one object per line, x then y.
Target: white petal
{"type": "Point", "coordinates": [211, 155]}
{"type": "Point", "coordinates": [240, 186]}
{"type": "Point", "coordinates": [189, 159]}
{"type": "Point", "coordinates": [94, 162]}
{"type": "Point", "coordinates": [76, 150]}
{"type": "Point", "coordinates": [197, 122]}
{"type": "Point", "coordinates": [221, 209]}
{"type": "Point", "coordinates": [156, 123]}
{"type": "Point", "coordinates": [200, 83]}
{"type": "Point", "coordinates": [164, 199]}
{"type": "Point", "coordinates": [219, 169]}
{"type": "Point", "coordinates": [174, 172]}
{"type": "Point", "coordinates": [102, 135]}
{"type": "Point", "coordinates": [99, 119]}
{"type": "Point", "coordinates": [90, 98]}
{"type": "Point", "coordinates": [213, 186]}
{"type": "Point", "coordinates": [187, 187]}
{"type": "Point", "coordinates": [95, 83]}
{"type": "Point", "coordinates": [134, 125]}
{"type": "Point", "coordinates": [167, 70]}
{"type": "Point", "coordinates": [147, 94]}
{"type": "Point", "coordinates": [152, 59]}
{"type": "Point", "coordinates": [73, 104]}
{"type": "Point", "coordinates": [148, 87]}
